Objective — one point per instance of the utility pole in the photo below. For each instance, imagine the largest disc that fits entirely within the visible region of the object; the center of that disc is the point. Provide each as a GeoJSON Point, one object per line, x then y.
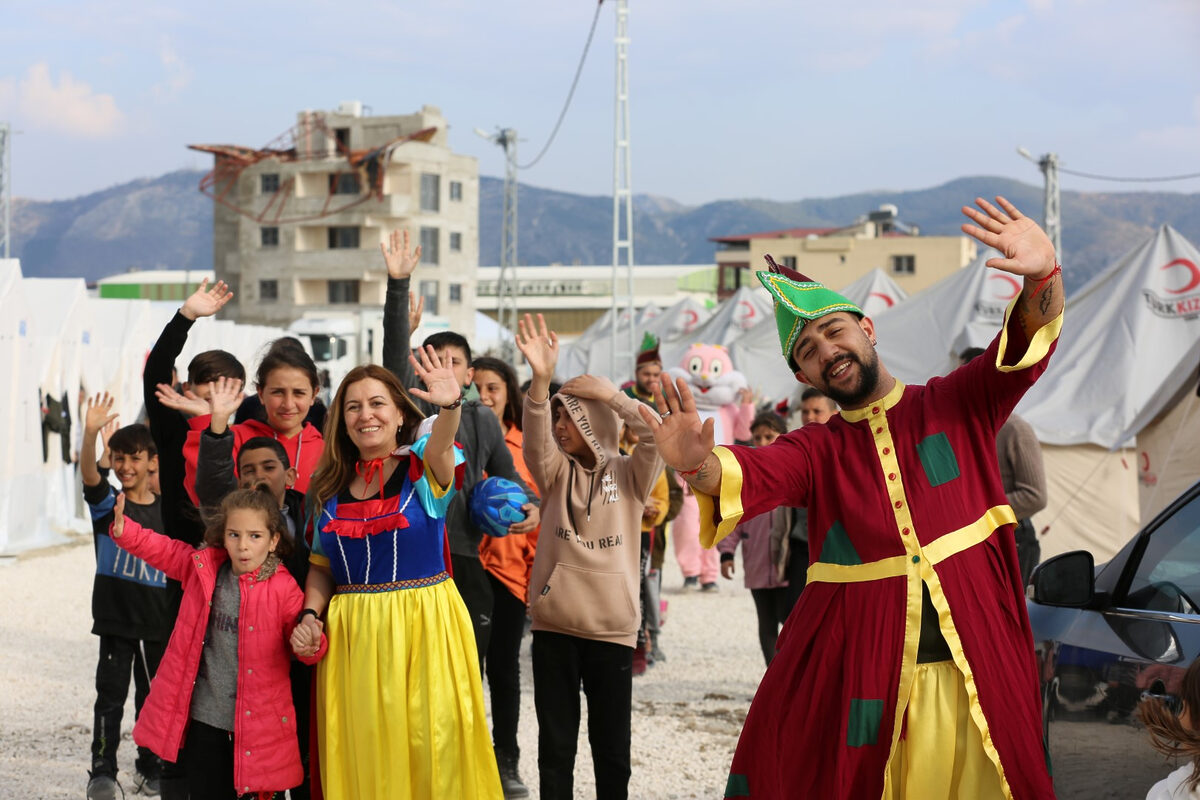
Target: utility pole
{"type": "Point", "coordinates": [506, 290]}
{"type": "Point", "coordinates": [622, 363]}
{"type": "Point", "coordinates": [5, 188]}
{"type": "Point", "coordinates": [1051, 200]}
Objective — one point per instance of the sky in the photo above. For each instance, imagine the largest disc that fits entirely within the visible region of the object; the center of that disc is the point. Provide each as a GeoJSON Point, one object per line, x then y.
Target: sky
{"type": "Point", "coordinates": [773, 99]}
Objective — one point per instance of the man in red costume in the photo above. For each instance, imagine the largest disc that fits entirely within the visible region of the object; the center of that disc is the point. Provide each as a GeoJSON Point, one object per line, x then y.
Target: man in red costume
{"type": "Point", "coordinates": [906, 669]}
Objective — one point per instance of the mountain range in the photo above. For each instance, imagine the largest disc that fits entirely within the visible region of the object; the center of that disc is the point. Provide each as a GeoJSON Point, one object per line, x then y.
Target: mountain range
{"type": "Point", "coordinates": [166, 223]}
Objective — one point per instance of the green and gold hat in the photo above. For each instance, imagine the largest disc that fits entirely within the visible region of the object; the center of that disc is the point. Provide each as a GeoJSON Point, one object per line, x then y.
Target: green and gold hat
{"type": "Point", "coordinates": [799, 300]}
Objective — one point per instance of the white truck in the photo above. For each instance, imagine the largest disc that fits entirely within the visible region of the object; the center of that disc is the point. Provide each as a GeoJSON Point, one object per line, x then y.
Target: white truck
{"type": "Point", "coordinates": [340, 342]}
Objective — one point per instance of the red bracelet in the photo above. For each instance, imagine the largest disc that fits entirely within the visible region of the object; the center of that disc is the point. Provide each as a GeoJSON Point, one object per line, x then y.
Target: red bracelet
{"type": "Point", "coordinates": [1056, 271]}
{"type": "Point", "coordinates": [685, 473]}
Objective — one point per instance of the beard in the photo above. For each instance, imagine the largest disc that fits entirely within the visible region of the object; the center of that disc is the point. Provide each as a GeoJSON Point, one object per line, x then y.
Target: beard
{"type": "Point", "coordinates": [861, 391]}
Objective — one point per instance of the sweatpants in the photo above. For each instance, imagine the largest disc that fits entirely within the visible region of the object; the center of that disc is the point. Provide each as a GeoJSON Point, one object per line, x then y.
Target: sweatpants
{"type": "Point", "coordinates": [694, 560]}
{"type": "Point", "coordinates": [773, 608]}
{"type": "Point", "coordinates": [119, 658]}
{"type": "Point", "coordinates": [208, 759]}
{"type": "Point", "coordinates": [561, 664]}
{"type": "Point", "coordinates": [503, 666]}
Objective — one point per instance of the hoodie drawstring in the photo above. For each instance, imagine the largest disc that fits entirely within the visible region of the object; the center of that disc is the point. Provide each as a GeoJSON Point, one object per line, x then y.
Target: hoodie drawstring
{"type": "Point", "coordinates": [591, 488]}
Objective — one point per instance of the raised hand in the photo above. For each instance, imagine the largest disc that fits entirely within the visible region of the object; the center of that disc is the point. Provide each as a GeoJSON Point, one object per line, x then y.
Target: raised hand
{"type": "Point", "coordinates": [441, 387]}
{"type": "Point", "coordinates": [118, 523]}
{"type": "Point", "coordinates": [1027, 249]}
{"type": "Point", "coordinates": [401, 262]}
{"type": "Point", "coordinates": [223, 402]}
{"type": "Point", "coordinates": [187, 403]}
{"type": "Point", "coordinates": [108, 430]}
{"type": "Point", "coordinates": [682, 440]}
{"type": "Point", "coordinates": [590, 387]}
{"type": "Point", "coordinates": [538, 345]}
{"type": "Point", "coordinates": [98, 414]}
{"type": "Point", "coordinates": [106, 434]}
{"type": "Point", "coordinates": [205, 302]}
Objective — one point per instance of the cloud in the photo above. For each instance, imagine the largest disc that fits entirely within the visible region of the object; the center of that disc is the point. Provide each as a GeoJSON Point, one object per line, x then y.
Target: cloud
{"type": "Point", "coordinates": [178, 74]}
{"type": "Point", "coordinates": [1179, 139]}
{"type": "Point", "coordinates": [68, 106]}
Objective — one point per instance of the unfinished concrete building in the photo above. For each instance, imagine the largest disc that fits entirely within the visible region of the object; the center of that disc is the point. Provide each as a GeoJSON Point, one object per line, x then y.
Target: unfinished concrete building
{"type": "Point", "coordinates": [297, 224]}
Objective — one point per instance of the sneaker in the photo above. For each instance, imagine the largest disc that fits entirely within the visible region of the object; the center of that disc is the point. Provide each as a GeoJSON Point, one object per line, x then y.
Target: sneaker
{"type": "Point", "coordinates": [691, 583]}
{"type": "Point", "coordinates": [146, 784]}
{"type": "Point", "coordinates": [657, 653]}
{"type": "Point", "coordinates": [510, 779]}
{"type": "Point", "coordinates": [104, 787]}
{"type": "Point", "coordinates": [710, 587]}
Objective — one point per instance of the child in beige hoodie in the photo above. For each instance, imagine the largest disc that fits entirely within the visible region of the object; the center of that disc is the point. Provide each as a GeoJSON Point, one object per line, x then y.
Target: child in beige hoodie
{"type": "Point", "coordinates": [584, 588]}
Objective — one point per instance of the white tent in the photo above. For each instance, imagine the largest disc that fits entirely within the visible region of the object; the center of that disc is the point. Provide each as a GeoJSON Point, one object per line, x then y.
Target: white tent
{"type": "Point", "coordinates": [742, 311]}
{"type": "Point", "coordinates": [20, 416]}
{"type": "Point", "coordinates": [922, 337]}
{"type": "Point", "coordinates": [65, 353]}
{"type": "Point", "coordinates": [593, 354]}
{"type": "Point", "coordinates": [875, 293]}
{"type": "Point", "coordinates": [55, 342]}
{"type": "Point", "coordinates": [1126, 372]}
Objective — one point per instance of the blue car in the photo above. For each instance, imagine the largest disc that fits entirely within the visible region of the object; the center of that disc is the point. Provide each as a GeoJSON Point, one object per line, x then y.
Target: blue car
{"type": "Point", "coordinates": [1109, 636]}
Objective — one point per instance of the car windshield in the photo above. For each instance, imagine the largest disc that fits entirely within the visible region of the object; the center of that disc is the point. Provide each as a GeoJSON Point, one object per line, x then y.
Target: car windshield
{"type": "Point", "coordinates": [1168, 576]}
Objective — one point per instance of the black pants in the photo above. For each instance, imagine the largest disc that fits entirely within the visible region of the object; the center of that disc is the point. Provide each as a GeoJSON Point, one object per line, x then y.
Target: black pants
{"type": "Point", "coordinates": [302, 678]}
{"type": "Point", "coordinates": [471, 580]}
{"type": "Point", "coordinates": [772, 607]}
{"type": "Point", "coordinates": [1029, 550]}
{"type": "Point", "coordinates": [120, 657]}
{"type": "Point", "coordinates": [504, 666]}
{"type": "Point", "coordinates": [561, 664]}
{"type": "Point", "coordinates": [208, 758]}
{"type": "Point", "coordinates": [797, 571]}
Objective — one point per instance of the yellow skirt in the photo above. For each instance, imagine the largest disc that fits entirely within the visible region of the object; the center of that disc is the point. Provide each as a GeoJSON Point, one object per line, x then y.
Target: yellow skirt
{"type": "Point", "coordinates": [941, 753]}
{"type": "Point", "coordinates": [399, 700]}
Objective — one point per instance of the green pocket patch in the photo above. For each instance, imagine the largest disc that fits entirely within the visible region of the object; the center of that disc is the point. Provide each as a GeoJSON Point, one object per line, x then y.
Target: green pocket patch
{"type": "Point", "coordinates": [736, 787]}
{"type": "Point", "coordinates": [862, 728]}
{"type": "Point", "coordinates": [837, 548]}
{"type": "Point", "coordinates": [938, 459]}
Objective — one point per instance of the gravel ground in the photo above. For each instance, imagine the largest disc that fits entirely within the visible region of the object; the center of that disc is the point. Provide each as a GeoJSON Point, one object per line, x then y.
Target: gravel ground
{"type": "Point", "coordinates": [687, 711]}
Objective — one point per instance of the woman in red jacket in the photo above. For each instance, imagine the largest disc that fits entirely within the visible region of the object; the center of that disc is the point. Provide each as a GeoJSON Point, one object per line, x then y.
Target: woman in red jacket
{"type": "Point", "coordinates": [221, 700]}
{"type": "Point", "coordinates": [287, 383]}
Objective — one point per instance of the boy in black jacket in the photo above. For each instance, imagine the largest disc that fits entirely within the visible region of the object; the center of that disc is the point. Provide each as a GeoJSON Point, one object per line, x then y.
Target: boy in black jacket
{"type": "Point", "coordinates": [133, 604]}
{"type": "Point", "coordinates": [170, 427]}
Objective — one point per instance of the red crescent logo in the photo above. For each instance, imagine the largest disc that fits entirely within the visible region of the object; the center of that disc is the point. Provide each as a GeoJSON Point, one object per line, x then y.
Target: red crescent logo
{"type": "Point", "coordinates": [1145, 461]}
{"type": "Point", "coordinates": [1016, 287]}
{"type": "Point", "coordinates": [1193, 283]}
{"type": "Point", "coordinates": [745, 319]}
{"type": "Point", "coordinates": [885, 298]}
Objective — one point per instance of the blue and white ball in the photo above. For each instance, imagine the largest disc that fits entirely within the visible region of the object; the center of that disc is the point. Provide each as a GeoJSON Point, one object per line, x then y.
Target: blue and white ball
{"type": "Point", "coordinates": [495, 504]}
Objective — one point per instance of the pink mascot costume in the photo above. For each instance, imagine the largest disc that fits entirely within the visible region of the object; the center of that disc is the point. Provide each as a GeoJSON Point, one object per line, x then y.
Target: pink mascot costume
{"type": "Point", "coordinates": [720, 393]}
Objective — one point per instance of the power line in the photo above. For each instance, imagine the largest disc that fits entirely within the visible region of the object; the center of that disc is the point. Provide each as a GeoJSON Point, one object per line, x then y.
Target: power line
{"type": "Point", "coordinates": [570, 94]}
{"type": "Point", "coordinates": [1128, 180]}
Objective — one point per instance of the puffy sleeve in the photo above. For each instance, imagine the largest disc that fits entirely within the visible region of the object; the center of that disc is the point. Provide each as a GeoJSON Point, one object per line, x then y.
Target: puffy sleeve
{"type": "Point", "coordinates": [435, 499]}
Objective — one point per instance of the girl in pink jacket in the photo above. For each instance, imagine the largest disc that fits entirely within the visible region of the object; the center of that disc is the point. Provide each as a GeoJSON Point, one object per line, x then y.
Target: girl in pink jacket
{"type": "Point", "coordinates": [221, 701]}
